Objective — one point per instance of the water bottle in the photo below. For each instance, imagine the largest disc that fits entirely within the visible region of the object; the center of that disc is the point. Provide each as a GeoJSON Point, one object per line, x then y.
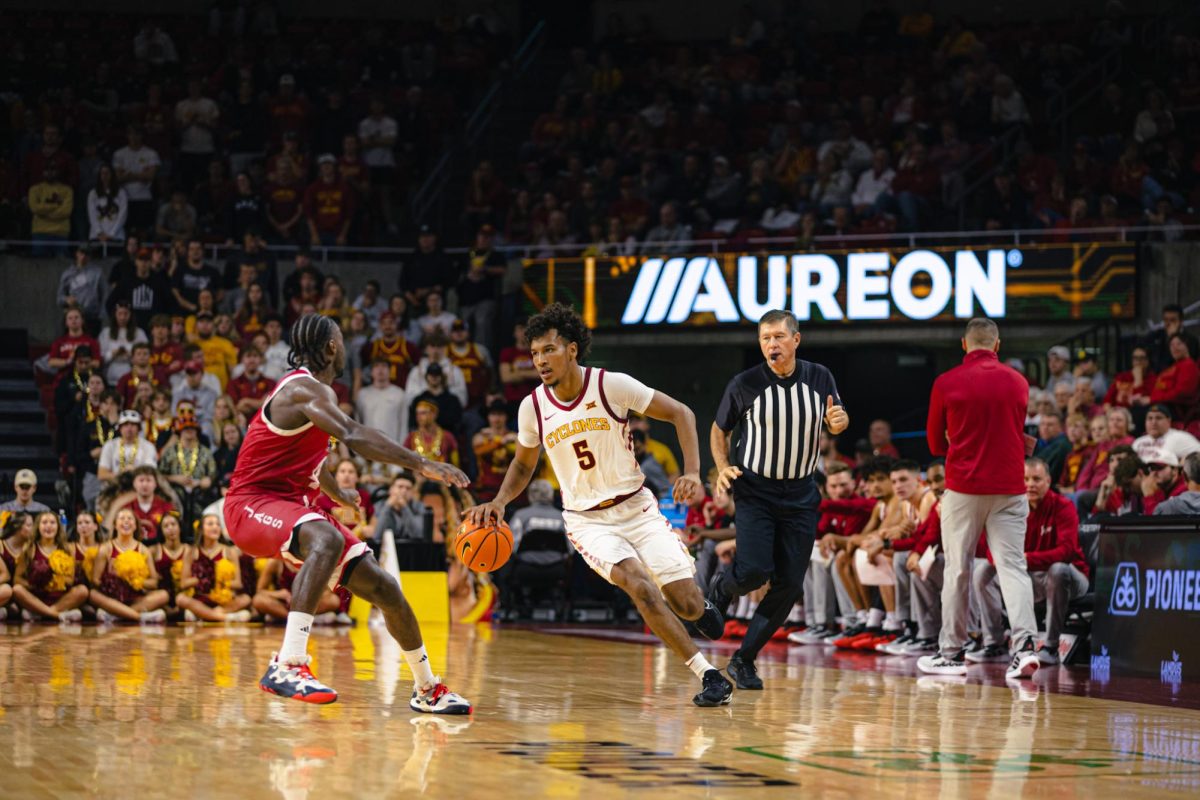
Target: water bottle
{"type": "Point", "coordinates": [62, 518]}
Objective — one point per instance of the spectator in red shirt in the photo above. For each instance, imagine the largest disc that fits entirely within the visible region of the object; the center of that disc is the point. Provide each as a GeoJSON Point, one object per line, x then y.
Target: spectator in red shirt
{"type": "Point", "coordinates": [880, 437]}
{"type": "Point", "coordinates": [62, 351]}
{"type": "Point", "coordinates": [288, 110]}
{"type": "Point", "coordinates": [249, 389]}
{"type": "Point", "coordinates": [1133, 386]}
{"type": "Point", "coordinates": [329, 206]}
{"type": "Point", "coordinates": [148, 506]}
{"type": "Point", "coordinates": [140, 372]}
{"type": "Point", "coordinates": [51, 154]}
{"type": "Point", "coordinates": [976, 420]}
{"type": "Point", "coordinates": [630, 207]}
{"type": "Point", "coordinates": [916, 189]}
{"type": "Point", "coordinates": [1057, 567]}
{"type": "Point", "coordinates": [352, 168]}
{"type": "Point", "coordinates": [1164, 479]}
{"type": "Point", "coordinates": [284, 196]}
{"type": "Point", "coordinates": [517, 373]}
{"type": "Point", "coordinates": [1178, 386]}
{"type": "Point", "coordinates": [166, 355]}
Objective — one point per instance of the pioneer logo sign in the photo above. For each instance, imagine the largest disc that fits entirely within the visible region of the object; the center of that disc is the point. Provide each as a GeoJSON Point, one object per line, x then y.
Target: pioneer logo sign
{"type": "Point", "coordinates": [1146, 619]}
{"type": "Point", "coordinates": [1125, 600]}
{"type": "Point", "coordinates": [922, 285]}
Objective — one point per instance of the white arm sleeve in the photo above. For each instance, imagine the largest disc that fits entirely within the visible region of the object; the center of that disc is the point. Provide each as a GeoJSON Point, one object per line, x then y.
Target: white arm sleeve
{"type": "Point", "coordinates": [527, 424]}
{"type": "Point", "coordinates": [625, 393]}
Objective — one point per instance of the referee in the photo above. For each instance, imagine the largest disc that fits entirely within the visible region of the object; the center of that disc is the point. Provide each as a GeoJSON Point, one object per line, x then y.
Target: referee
{"type": "Point", "coordinates": [765, 438]}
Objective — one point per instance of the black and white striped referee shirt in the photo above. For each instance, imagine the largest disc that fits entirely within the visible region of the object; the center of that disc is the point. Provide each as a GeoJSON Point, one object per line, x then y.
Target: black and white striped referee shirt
{"type": "Point", "coordinates": [776, 422]}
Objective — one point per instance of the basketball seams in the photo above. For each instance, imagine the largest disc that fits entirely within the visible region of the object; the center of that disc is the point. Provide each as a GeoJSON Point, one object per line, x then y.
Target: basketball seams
{"type": "Point", "coordinates": [471, 543]}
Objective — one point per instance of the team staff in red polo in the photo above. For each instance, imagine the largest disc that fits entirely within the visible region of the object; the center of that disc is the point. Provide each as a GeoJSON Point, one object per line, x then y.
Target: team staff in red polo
{"type": "Point", "coordinates": [976, 420]}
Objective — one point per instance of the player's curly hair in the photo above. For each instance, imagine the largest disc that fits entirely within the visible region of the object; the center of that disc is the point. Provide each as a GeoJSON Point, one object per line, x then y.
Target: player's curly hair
{"type": "Point", "coordinates": [310, 334]}
{"type": "Point", "coordinates": [561, 318]}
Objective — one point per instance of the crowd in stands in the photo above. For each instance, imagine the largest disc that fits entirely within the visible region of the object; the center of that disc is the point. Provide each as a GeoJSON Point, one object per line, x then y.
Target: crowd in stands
{"type": "Point", "coordinates": [152, 399]}
{"type": "Point", "coordinates": [786, 130]}
{"type": "Point", "coordinates": [312, 131]}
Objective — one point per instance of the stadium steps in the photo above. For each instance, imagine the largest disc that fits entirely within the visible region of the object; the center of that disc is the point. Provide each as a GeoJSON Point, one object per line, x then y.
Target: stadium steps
{"type": "Point", "coordinates": [25, 441]}
{"type": "Point", "coordinates": [531, 94]}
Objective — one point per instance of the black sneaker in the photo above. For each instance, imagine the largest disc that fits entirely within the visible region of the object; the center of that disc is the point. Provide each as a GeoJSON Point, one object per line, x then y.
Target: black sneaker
{"type": "Point", "coordinates": [716, 692]}
{"type": "Point", "coordinates": [992, 652]}
{"type": "Point", "coordinates": [717, 598]}
{"type": "Point", "coordinates": [711, 624]}
{"type": "Point", "coordinates": [744, 673]}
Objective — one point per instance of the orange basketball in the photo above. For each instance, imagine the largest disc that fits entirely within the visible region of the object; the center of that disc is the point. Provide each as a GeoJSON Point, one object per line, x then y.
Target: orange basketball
{"type": "Point", "coordinates": [484, 548]}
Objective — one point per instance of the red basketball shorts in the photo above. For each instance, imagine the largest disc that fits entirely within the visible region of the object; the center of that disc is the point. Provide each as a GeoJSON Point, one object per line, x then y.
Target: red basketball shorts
{"type": "Point", "coordinates": [263, 526]}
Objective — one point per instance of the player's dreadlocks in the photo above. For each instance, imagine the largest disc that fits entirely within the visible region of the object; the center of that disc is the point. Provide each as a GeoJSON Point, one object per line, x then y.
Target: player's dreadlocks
{"type": "Point", "coordinates": [310, 334]}
{"type": "Point", "coordinates": [561, 318]}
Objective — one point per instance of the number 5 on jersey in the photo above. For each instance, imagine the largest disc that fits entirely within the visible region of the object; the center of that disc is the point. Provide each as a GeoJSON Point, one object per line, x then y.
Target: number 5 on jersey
{"type": "Point", "coordinates": [586, 459]}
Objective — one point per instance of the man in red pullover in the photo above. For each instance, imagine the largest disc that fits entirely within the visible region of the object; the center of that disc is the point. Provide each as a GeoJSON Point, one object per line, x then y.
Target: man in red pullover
{"type": "Point", "coordinates": [976, 420]}
{"type": "Point", "coordinates": [1057, 568]}
{"type": "Point", "coordinates": [824, 595]}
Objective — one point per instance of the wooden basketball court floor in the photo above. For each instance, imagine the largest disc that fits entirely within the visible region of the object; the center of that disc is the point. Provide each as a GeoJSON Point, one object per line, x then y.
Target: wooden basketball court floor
{"type": "Point", "coordinates": [130, 713]}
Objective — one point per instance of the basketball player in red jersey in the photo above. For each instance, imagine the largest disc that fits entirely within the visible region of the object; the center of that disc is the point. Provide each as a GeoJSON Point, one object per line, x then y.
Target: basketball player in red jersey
{"type": "Point", "coordinates": [270, 512]}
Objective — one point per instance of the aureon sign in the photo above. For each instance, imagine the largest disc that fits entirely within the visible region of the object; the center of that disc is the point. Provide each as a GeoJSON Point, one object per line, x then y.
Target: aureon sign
{"type": "Point", "coordinates": [1036, 283]}
{"type": "Point", "coordinates": [922, 285]}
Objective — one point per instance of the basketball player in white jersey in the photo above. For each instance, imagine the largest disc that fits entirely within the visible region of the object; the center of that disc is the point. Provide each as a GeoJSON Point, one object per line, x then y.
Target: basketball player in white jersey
{"type": "Point", "coordinates": [580, 415]}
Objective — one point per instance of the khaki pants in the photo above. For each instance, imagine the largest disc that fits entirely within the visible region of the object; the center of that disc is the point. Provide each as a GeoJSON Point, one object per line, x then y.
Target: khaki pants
{"type": "Point", "coordinates": [964, 518]}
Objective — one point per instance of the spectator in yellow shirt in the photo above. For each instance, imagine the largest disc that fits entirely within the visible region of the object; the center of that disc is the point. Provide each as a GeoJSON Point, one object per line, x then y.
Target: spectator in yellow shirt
{"type": "Point", "coordinates": [220, 354]}
{"type": "Point", "coordinates": [50, 202]}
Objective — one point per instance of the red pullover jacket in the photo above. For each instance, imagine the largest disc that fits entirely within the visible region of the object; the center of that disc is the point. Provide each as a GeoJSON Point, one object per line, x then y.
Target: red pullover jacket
{"type": "Point", "coordinates": [977, 420]}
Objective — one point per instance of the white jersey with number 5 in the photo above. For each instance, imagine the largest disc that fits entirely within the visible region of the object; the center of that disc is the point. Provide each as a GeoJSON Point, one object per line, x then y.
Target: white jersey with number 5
{"type": "Point", "coordinates": [587, 440]}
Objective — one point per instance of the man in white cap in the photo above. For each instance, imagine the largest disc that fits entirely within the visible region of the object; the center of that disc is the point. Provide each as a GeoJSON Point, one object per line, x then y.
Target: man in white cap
{"type": "Point", "coordinates": [126, 450]}
{"type": "Point", "coordinates": [1164, 480]}
{"type": "Point", "coordinates": [1186, 503]}
{"type": "Point", "coordinates": [26, 484]}
{"type": "Point", "coordinates": [1058, 361]}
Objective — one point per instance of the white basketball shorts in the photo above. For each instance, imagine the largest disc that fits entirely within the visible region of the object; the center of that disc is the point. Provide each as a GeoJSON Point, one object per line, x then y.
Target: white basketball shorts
{"type": "Point", "coordinates": [634, 528]}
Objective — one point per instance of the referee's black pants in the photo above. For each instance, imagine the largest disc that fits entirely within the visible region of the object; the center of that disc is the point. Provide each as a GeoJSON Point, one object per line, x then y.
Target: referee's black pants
{"type": "Point", "coordinates": [776, 522]}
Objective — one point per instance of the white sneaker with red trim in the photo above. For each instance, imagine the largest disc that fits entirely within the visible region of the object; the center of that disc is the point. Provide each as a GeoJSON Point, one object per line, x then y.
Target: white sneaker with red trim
{"type": "Point", "coordinates": [438, 700]}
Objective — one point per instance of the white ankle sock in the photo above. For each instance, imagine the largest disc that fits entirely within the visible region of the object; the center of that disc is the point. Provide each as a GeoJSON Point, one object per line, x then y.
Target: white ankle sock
{"type": "Point", "coordinates": [699, 664]}
{"type": "Point", "coordinates": [418, 662]}
{"type": "Point", "coordinates": [874, 618]}
{"type": "Point", "coordinates": [889, 622]}
{"type": "Point", "coordinates": [861, 616]}
{"type": "Point", "coordinates": [295, 637]}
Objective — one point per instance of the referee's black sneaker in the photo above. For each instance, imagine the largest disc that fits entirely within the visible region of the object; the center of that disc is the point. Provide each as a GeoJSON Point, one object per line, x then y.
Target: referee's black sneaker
{"type": "Point", "coordinates": [744, 673]}
{"type": "Point", "coordinates": [716, 692]}
{"type": "Point", "coordinates": [711, 624]}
